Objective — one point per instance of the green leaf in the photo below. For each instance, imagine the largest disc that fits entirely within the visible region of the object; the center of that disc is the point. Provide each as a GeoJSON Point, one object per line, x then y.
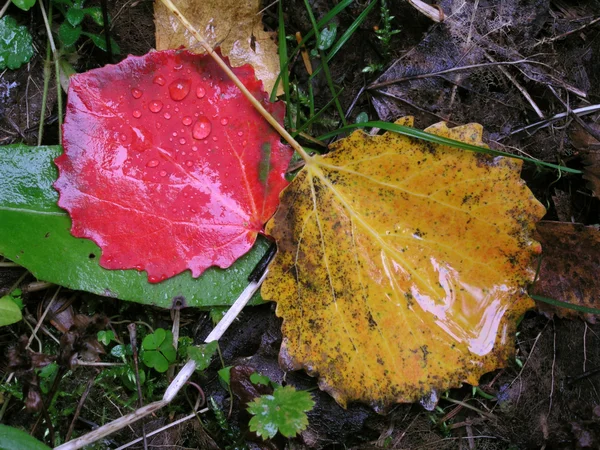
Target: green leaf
{"type": "Point", "coordinates": [159, 351]}
{"type": "Point", "coordinates": [47, 376]}
{"type": "Point", "coordinates": [106, 337]}
{"type": "Point", "coordinates": [15, 44]}
{"type": "Point", "coordinates": [120, 351]}
{"type": "Point", "coordinates": [34, 232]}
{"type": "Point", "coordinates": [100, 42]}
{"type": "Point", "coordinates": [154, 340]}
{"type": "Point", "coordinates": [95, 13]}
{"type": "Point", "coordinates": [69, 34]}
{"type": "Point", "coordinates": [9, 311]}
{"type": "Point", "coordinates": [24, 4]}
{"type": "Point", "coordinates": [225, 376]}
{"type": "Point", "coordinates": [15, 439]}
{"type": "Point", "coordinates": [257, 378]}
{"type": "Point", "coordinates": [217, 313]}
{"type": "Point", "coordinates": [202, 354]}
{"type": "Point", "coordinates": [362, 118]}
{"type": "Point", "coordinates": [284, 411]}
{"type": "Point", "coordinates": [75, 16]}
{"type": "Point", "coordinates": [327, 37]}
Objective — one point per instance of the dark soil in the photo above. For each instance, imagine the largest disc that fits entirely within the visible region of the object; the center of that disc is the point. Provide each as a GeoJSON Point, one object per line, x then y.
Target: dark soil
{"type": "Point", "coordinates": [549, 397]}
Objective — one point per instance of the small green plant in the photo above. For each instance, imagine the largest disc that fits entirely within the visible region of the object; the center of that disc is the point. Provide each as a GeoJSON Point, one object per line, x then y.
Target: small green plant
{"type": "Point", "coordinates": [284, 411]}
{"type": "Point", "coordinates": [158, 351]}
{"type": "Point", "coordinates": [202, 354]}
{"type": "Point", "coordinates": [385, 32]}
{"type": "Point", "coordinates": [106, 337]}
{"type": "Point", "coordinates": [16, 46]}
{"type": "Point", "coordinates": [71, 30]}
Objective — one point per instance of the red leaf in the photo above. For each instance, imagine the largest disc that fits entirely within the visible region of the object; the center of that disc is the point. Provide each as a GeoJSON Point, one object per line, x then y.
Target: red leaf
{"type": "Point", "coordinates": [167, 166]}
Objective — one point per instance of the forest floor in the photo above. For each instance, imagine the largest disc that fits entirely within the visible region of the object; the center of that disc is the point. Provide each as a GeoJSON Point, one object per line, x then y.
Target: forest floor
{"type": "Point", "coordinates": [548, 396]}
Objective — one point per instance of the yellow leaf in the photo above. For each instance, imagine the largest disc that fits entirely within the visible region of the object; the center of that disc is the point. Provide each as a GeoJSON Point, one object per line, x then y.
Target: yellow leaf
{"type": "Point", "coordinates": [402, 265]}
{"type": "Point", "coordinates": [236, 26]}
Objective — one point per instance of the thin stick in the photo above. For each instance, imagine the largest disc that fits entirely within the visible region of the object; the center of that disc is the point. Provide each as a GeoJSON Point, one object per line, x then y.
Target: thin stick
{"type": "Point", "coordinates": [259, 107]}
{"type": "Point", "coordinates": [521, 89]}
{"type": "Point", "coordinates": [136, 367]}
{"type": "Point", "coordinates": [5, 7]}
{"type": "Point", "coordinates": [568, 33]}
{"type": "Point", "coordinates": [544, 123]}
{"type": "Point", "coordinates": [41, 320]}
{"type": "Point", "coordinates": [166, 427]}
{"type": "Point", "coordinates": [88, 387]}
{"type": "Point", "coordinates": [453, 69]}
{"type": "Point", "coordinates": [178, 382]}
{"type": "Point", "coordinates": [9, 264]}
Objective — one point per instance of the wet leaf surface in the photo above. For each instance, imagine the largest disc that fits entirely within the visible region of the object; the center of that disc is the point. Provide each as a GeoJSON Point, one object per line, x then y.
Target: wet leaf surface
{"type": "Point", "coordinates": [569, 269]}
{"type": "Point", "coordinates": [402, 265]}
{"type": "Point", "coordinates": [34, 232]}
{"type": "Point", "coordinates": [236, 27]}
{"type": "Point", "coordinates": [167, 166]}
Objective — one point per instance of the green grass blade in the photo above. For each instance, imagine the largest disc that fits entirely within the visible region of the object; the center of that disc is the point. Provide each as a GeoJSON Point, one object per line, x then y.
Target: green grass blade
{"type": "Point", "coordinates": [324, 63]}
{"type": "Point", "coordinates": [326, 18]}
{"type": "Point", "coordinates": [283, 60]}
{"type": "Point", "coordinates": [560, 304]}
{"type": "Point", "coordinates": [316, 116]}
{"type": "Point", "coordinates": [408, 131]}
{"type": "Point", "coordinates": [347, 35]}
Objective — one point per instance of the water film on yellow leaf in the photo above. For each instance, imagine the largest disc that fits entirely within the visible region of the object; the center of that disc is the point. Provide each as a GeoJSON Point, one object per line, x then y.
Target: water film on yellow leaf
{"type": "Point", "coordinates": [236, 26]}
{"type": "Point", "coordinates": [402, 265]}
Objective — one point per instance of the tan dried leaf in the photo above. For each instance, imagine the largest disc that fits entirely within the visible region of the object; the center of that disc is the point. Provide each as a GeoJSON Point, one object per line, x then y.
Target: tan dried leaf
{"type": "Point", "coordinates": [236, 26]}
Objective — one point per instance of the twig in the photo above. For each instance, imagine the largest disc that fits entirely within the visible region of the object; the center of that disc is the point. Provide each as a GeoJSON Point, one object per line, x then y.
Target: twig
{"type": "Point", "coordinates": [521, 89]}
{"type": "Point", "coordinates": [9, 264]}
{"type": "Point", "coordinates": [5, 7]}
{"type": "Point", "coordinates": [453, 69]}
{"type": "Point", "coordinates": [166, 427]}
{"type": "Point", "coordinates": [41, 320]}
{"type": "Point", "coordinates": [82, 400]}
{"type": "Point", "coordinates": [568, 33]}
{"type": "Point", "coordinates": [544, 123]}
{"type": "Point", "coordinates": [136, 367]}
{"type": "Point", "coordinates": [176, 315]}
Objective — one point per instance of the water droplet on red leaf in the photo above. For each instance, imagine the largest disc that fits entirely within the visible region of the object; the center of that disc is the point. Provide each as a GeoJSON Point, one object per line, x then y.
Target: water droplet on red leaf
{"type": "Point", "coordinates": [189, 163]}
{"type": "Point", "coordinates": [182, 141]}
{"type": "Point", "coordinates": [136, 93]}
{"type": "Point", "coordinates": [202, 128]}
{"type": "Point", "coordinates": [163, 173]}
{"type": "Point", "coordinates": [179, 89]}
{"type": "Point", "coordinates": [167, 115]}
{"type": "Point", "coordinates": [136, 113]}
{"type": "Point", "coordinates": [187, 121]}
{"type": "Point", "coordinates": [160, 80]}
{"type": "Point", "coordinates": [152, 163]}
{"type": "Point", "coordinates": [200, 92]}
{"type": "Point", "coordinates": [224, 122]}
{"type": "Point", "coordinates": [155, 106]}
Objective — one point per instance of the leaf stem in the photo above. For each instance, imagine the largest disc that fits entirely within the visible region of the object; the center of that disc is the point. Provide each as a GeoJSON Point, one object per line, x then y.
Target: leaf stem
{"type": "Point", "coordinates": [259, 107]}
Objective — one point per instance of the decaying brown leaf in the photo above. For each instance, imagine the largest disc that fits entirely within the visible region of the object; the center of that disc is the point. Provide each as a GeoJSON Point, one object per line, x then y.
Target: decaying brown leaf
{"type": "Point", "coordinates": [570, 267]}
{"type": "Point", "coordinates": [589, 147]}
{"type": "Point", "coordinates": [235, 26]}
{"type": "Point", "coordinates": [402, 265]}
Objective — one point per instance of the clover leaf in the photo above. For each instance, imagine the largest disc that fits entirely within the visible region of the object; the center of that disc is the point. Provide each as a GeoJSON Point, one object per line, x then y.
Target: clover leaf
{"type": "Point", "coordinates": [158, 350]}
